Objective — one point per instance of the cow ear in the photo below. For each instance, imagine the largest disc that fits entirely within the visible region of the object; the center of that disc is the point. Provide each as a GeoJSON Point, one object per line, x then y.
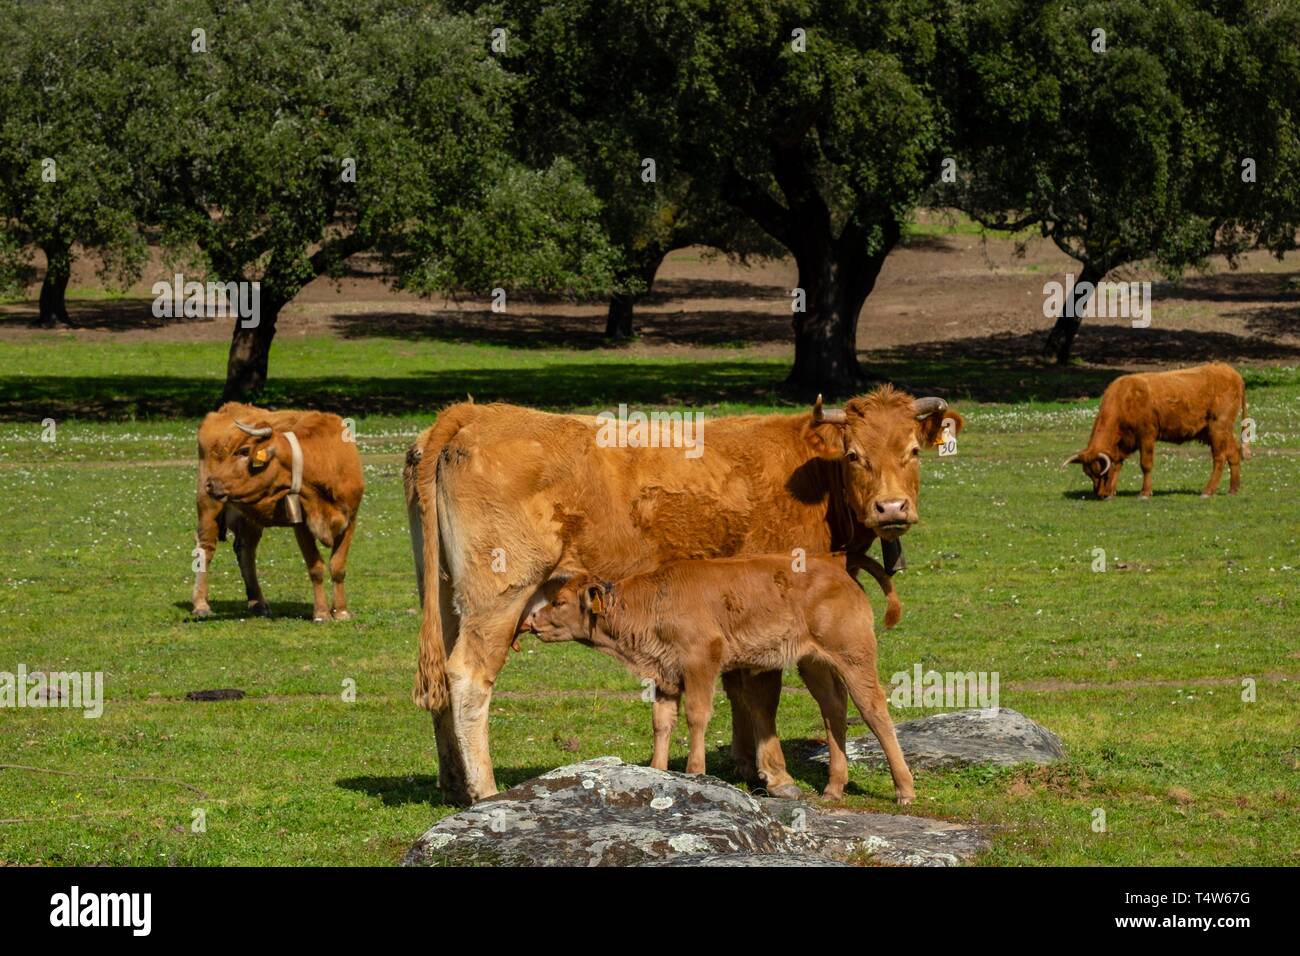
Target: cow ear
{"type": "Point", "coordinates": [593, 599]}
{"type": "Point", "coordinates": [262, 457]}
{"type": "Point", "coordinates": [825, 440]}
{"type": "Point", "coordinates": [929, 430]}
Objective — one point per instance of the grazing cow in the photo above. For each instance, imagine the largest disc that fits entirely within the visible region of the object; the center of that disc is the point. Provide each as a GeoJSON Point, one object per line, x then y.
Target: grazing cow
{"type": "Point", "coordinates": [687, 621]}
{"type": "Point", "coordinates": [261, 469]}
{"type": "Point", "coordinates": [503, 499]}
{"type": "Point", "coordinates": [1188, 404]}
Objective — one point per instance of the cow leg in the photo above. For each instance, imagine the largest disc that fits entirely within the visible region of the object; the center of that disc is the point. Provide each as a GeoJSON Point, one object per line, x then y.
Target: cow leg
{"type": "Point", "coordinates": [1234, 466]}
{"type": "Point", "coordinates": [247, 535]}
{"type": "Point", "coordinates": [315, 570]}
{"type": "Point", "coordinates": [339, 570]}
{"type": "Point", "coordinates": [209, 510]}
{"type": "Point", "coordinates": [664, 719]}
{"type": "Point", "coordinates": [472, 667]}
{"type": "Point", "coordinates": [698, 689]}
{"type": "Point", "coordinates": [763, 694]}
{"type": "Point", "coordinates": [1220, 453]}
{"type": "Point", "coordinates": [451, 766]}
{"type": "Point", "coordinates": [742, 728]}
{"type": "Point", "coordinates": [869, 697]}
{"type": "Point", "coordinates": [833, 699]}
{"type": "Point", "coordinates": [1148, 456]}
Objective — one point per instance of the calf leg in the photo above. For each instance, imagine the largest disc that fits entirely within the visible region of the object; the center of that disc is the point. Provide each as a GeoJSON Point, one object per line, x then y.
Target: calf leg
{"type": "Point", "coordinates": [315, 570]}
{"type": "Point", "coordinates": [247, 536]}
{"type": "Point", "coordinates": [339, 570]}
{"type": "Point", "coordinates": [869, 697]}
{"type": "Point", "coordinates": [763, 694]}
{"type": "Point", "coordinates": [1148, 466]}
{"type": "Point", "coordinates": [742, 727]}
{"type": "Point", "coordinates": [664, 719]}
{"type": "Point", "coordinates": [698, 689]}
{"type": "Point", "coordinates": [833, 699]}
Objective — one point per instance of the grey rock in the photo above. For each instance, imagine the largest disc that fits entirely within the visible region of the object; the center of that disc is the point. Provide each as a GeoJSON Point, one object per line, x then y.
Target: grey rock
{"type": "Point", "coordinates": [604, 812]}
{"type": "Point", "coordinates": [894, 839]}
{"type": "Point", "coordinates": [999, 737]}
{"type": "Point", "coordinates": [746, 859]}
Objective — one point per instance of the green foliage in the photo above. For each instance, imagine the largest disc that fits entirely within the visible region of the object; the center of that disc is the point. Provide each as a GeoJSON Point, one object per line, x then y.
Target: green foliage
{"type": "Point", "coordinates": [1133, 153]}
{"type": "Point", "coordinates": [67, 170]}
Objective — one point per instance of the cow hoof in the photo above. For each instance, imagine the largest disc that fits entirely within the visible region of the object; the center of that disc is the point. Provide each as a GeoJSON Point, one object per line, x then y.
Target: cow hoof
{"type": "Point", "coordinates": [789, 791]}
{"type": "Point", "coordinates": [1145, 497]}
{"type": "Point", "coordinates": [904, 801]}
{"type": "Point", "coordinates": [259, 610]}
{"type": "Point", "coordinates": [1206, 494]}
{"type": "Point", "coordinates": [319, 619]}
{"type": "Point", "coordinates": [342, 616]}
{"type": "Point", "coordinates": [201, 612]}
{"type": "Point", "coordinates": [830, 796]}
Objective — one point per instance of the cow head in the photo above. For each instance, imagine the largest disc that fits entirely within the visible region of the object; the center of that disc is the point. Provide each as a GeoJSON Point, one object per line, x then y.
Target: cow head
{"type": "Point", "coordinates": [573, 614]}
{"type": "Point", "coordinates": [244, 465]}
{"type": "Point", "coordinates": [1099, 466]}
{"type": "Point", "coordinates": [877, 440]}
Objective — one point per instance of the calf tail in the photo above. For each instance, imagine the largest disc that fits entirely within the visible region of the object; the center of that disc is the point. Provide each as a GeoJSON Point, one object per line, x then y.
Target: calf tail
{"type": "Point", "coordinates": [864, 562]}
{"type": "Point", "coordinates": [1245, 445]}
{"type": "Point", "coordinates": [421, 486]}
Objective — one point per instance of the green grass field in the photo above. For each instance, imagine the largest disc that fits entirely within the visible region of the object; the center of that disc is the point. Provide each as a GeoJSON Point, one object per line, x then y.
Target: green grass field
{"type": "Point", "coordinates": [1138, 669]}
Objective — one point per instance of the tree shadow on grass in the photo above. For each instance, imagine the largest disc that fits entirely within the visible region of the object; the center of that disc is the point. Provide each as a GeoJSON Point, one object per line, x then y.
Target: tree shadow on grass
{"type": "Point", "coordinates": [561, 385]}
{"type": "Point", "coordinates": [238, 611]}
{"type": "Point", "coordinates": [423, 788]}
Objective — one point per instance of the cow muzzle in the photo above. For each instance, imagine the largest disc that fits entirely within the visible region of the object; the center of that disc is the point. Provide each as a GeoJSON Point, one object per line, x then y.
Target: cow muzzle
{"type": "Point", "coordinates": [891, 517]}
{"type": "Point", "coordinates": [216, 489]}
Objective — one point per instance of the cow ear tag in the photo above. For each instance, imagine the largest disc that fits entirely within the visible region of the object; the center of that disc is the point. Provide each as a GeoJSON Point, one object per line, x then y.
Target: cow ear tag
{"type": "Point", "coordinates": [261, 456]}
{"type": "Point", "coordinates": [947, 443]}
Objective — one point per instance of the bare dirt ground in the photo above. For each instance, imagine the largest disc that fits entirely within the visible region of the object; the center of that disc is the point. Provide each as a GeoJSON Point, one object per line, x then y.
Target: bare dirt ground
{"type": "Point", "coordinates": [943, 297]}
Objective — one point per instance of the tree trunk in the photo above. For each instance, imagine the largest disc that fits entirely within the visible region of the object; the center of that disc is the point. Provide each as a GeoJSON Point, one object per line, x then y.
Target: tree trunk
{"type": "Point", "coordinates": [836, 279]}
{"type": "Point", "coordinates": [618, 324]}
{"type": "Point", "coordinates": [250, 351]}
{"type": "Point", "coordinates": [1060, 340]}
{"type": "Point", "coordinates": [54, 288]}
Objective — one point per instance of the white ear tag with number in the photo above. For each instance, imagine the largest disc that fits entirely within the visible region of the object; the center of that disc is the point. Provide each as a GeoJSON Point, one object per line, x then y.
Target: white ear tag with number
{"type": "Point", "coordinates": [948, 440]}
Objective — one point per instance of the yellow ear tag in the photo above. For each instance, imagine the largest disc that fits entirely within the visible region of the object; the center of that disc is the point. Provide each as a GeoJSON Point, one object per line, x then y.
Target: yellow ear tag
{"type": "Point", "coordinates": [260, 456]}
{"type": "Point", "coordinates": [597, 607]}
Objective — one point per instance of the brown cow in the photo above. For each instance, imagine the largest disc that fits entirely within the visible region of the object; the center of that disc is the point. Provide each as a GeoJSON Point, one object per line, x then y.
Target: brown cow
{"type": "Point", "coordinates": [687, 621]}
{"type": "Point", "coordinates": [246, 484]}
{"type": "Point", "coordinates": [503, 499]}
{"type": "Point", "coordinates": [1189, 404]}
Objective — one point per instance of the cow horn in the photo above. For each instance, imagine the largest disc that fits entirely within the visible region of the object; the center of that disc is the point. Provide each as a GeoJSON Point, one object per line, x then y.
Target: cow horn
{"type": "Point", "coordinates": [255, 432]}
{"type": "Point", "coordinates": [1105, 457]}
{"type": "Point", "coordinates": [925, 407]}
{"type": "Point", "coordinates": [1072, 460]}
{"type": "Point", "coordinates": [834, 416]}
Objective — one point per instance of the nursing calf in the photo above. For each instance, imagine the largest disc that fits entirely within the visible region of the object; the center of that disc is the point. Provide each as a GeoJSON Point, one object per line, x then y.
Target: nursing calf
{"type": "Point", "coordinates": [686, 622]}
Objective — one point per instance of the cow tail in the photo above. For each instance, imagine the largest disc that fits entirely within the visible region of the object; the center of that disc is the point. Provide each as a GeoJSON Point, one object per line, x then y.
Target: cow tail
{"type": "Point", "coordinates": [864, 562]}
{"type": "Point", "coordinates": [1245, 445]}
{"type": "Point", "coordinates": [420, 477]}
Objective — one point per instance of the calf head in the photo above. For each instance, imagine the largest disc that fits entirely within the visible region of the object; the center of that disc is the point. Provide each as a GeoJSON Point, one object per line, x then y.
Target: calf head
{"type": "Point", "coordinates": [573, 613]}
{"type": "Point", "coordinates": [877, 440]}
{"type": "Point", "coordinates": [246, 463]}
{"type": "Point", "coordinates": [1101, 467]}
